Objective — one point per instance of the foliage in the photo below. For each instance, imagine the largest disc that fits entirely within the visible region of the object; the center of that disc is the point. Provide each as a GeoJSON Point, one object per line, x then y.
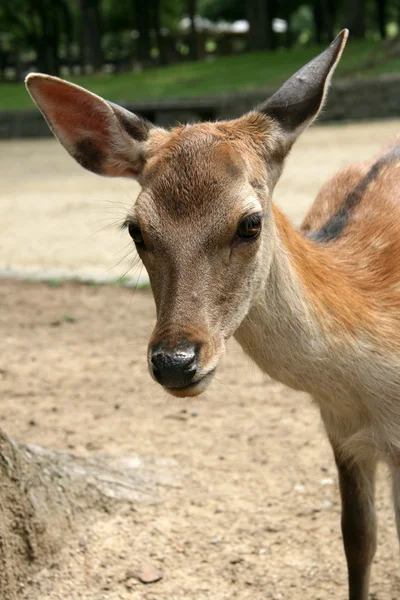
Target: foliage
{"type": "Point", "coordinates": [81, 36]}
{"type": "Point", "coordinates": [227, 10]}
{"type": "Point", "coordinates": [245, 72]}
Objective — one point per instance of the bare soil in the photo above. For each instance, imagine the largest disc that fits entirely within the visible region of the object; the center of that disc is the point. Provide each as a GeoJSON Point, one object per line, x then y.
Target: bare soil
{"type": "Point", "coordinates": [252, 510]}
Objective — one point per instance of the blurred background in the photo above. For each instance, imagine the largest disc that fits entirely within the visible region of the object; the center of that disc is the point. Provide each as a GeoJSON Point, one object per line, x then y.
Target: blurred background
{"type": "Point", "coordinates": [135, 50]}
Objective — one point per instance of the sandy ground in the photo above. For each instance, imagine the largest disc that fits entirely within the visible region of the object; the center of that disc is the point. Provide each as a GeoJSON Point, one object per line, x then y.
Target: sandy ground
{"type": "Point", "coordinates": [56, 217]}
{"type": "Point", "coordinates": [254, 512]}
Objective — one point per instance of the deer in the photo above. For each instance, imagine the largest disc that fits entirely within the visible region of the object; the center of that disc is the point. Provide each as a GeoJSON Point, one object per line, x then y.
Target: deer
{"type": "Point", "coordinates": [316, 308]}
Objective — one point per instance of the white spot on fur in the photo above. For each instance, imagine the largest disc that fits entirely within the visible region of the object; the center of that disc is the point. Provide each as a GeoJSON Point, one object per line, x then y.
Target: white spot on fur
{"type": "Point", "coordinates": [378, 243]}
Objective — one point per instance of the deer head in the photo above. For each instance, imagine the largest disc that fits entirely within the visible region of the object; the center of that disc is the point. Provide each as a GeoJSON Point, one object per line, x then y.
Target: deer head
{"type": "Point", "coordinates": [203, 223]}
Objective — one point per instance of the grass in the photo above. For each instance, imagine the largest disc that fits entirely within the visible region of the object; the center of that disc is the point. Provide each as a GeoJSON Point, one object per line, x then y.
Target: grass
{"type": "Point", "coordinates": [243, 72]}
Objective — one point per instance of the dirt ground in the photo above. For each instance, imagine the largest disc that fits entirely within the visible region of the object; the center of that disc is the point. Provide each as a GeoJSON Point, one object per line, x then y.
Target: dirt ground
{"type": "Point", "coordinates": [253, 508]}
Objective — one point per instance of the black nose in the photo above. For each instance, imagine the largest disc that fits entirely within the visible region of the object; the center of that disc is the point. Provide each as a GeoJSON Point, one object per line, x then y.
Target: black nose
{"type": "Point", "coordinates": [176, 366]}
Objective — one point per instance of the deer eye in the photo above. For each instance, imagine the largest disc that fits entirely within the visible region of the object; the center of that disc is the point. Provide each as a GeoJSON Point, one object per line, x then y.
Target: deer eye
{"type": "Point", "coordinates": [249, 228]}
{"type": "Point", "coordinates": [135, 233]}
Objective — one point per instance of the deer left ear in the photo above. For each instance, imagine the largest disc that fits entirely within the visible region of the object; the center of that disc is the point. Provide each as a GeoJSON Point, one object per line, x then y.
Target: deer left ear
{"type": "Point", "coordinates": [103, 137]}
{"type": "Point", "coordinates": [300, 100]}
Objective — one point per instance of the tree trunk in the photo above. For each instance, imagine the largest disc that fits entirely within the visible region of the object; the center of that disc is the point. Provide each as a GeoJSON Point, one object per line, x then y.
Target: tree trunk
{"type": "Point", "coordinates": [355, 21]}
{"type": "Point", "coordinates": [194, 51]}
{"type": "Point", "coordinates": [381, 14]}
{"type": "Point", "coordinates": [257, 18]}
{"type": "Point", "coordinates": [287, 15]}
{"type": "Point", "coordinates": [143, 26]}
{"type": "Point", "coordinates": [260, 14]}
{"type": "Point", "coordinates": [44, 494]}
{"type": "Point", "coordinates": [270, 16]}
{"type": "Point", "coordinates": [324, 14]}
{"type": "Point", "coordinates": [19, 74]}
{"type": "Point", "coordinates": [46, 38]}
{"type": "Point", "coordinates": [3, 64]}
{"type": "Point", "coordinates": [329, 9]}
{"type": "Point", "coordinates": [90, 35]}
{"type": "Point", "coordinates": [54, 42]}
{"type": "Point", "coordinates": [318, 17]}
{"type": "Point", "coordinates": [162, 54]}
{"type": "Point", "coordinates": [69, 33]}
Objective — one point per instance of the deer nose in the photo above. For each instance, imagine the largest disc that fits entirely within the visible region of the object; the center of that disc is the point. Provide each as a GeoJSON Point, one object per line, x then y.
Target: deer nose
{"type": "Point", "coordinates": [174, 367]}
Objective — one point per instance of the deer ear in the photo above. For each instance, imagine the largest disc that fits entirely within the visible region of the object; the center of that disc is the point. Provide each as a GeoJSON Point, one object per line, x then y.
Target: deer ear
{"type": "Point", "coordinates": [299, 101]}
{"type": "Point", "coordinates": [103, 137]}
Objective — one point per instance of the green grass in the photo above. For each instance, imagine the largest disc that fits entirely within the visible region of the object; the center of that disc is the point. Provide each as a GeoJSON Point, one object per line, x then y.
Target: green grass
{"type": "Point", "coordinates": [209, 77]}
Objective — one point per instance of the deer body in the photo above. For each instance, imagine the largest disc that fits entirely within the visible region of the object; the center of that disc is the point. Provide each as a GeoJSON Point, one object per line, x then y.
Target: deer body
{"type": "Point", "coordinates": [327, 322]}
{"type": "Point", "coordinates": [317, 309]}
{"type": "Point", "coordinates": [316, 325]}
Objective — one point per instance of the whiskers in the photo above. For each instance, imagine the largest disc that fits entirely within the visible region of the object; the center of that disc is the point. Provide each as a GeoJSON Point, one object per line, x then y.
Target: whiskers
{"type": "Point", "coordinates": [117, 211]}
{"type": "Point", "coordinates": [114, 224]}
{"type": "Point", "coordinates": [126, 256]}
{"type": "Point", "coordinates": [137, 344]}
{"type": "Point", "coordinates": [222, 383]}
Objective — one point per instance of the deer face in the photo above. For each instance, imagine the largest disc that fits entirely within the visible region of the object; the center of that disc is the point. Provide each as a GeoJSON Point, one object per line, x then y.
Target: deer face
{"type": "Point", "coordinates": [202, 223]}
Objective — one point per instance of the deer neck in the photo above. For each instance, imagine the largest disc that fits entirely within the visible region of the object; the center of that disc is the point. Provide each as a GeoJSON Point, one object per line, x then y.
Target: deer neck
{"type": "Point", "coordinates": [306, 309]}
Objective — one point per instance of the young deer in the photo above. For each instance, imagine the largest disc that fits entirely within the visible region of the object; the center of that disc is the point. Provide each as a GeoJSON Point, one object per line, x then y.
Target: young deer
{"type": "Point", "coordinates": [317, 309]}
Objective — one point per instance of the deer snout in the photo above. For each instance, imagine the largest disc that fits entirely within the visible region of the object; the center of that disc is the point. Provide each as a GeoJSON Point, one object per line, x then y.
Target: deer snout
{"type": "Point", "coordinates": [174, 367]}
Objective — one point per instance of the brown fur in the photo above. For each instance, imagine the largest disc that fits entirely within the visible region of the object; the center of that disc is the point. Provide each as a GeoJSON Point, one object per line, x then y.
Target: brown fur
{"type": "Point", "coordinates": [360, 268]}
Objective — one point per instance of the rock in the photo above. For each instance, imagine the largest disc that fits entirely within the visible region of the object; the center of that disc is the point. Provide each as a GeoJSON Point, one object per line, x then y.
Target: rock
{"type": "Point", "coordinates": [148, 573]}
{"type": "Point", "coordinates": [327, 481]}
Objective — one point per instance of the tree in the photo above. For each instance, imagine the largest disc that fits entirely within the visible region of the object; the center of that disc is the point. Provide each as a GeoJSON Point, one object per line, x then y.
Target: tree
{"type": "Point", "coordinates": [156, 19]}
{"type": "Point", "coordinates": [228, 10]}
{"type": "Point", "coordinates": [271, 10]}
{"type": "Point", "coordinates": [90, 35]}
{"type": "Point", "coordinates": [37, 25]}
{"type": "Point", "coordinates": [68, 23]}
{"type": "Point", "coordinates": [192, 11]}
{"type": "Point", "coordinates": [260, 14]}
{"type": "Point", "coordinates": [324, 14]}
{"type": "Point", "coordinates": [118, 43]}
{"type": "Point", "coordinates": [318, 16]}
{"type": "Point", "coordinates": [381, 15]}
{"type": "Point", "coordinates": [43, 495]}
{"type": "Point", "coordinates": [330, 12]}
{"type": "Point", "coordinates": [355, 18]}
{"type": "Point", "coordinates": [143, 25]}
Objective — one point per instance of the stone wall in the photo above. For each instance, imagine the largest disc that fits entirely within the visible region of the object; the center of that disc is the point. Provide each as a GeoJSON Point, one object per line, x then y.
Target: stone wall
{"type": "Point", "coordinates": [349, 100]}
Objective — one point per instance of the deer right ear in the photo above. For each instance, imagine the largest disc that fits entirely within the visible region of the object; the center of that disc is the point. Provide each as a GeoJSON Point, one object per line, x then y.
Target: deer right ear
{"type": "Point", "coordinates": [103, 137]}
{"type": "Point", "coordinates": [299, 101]}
